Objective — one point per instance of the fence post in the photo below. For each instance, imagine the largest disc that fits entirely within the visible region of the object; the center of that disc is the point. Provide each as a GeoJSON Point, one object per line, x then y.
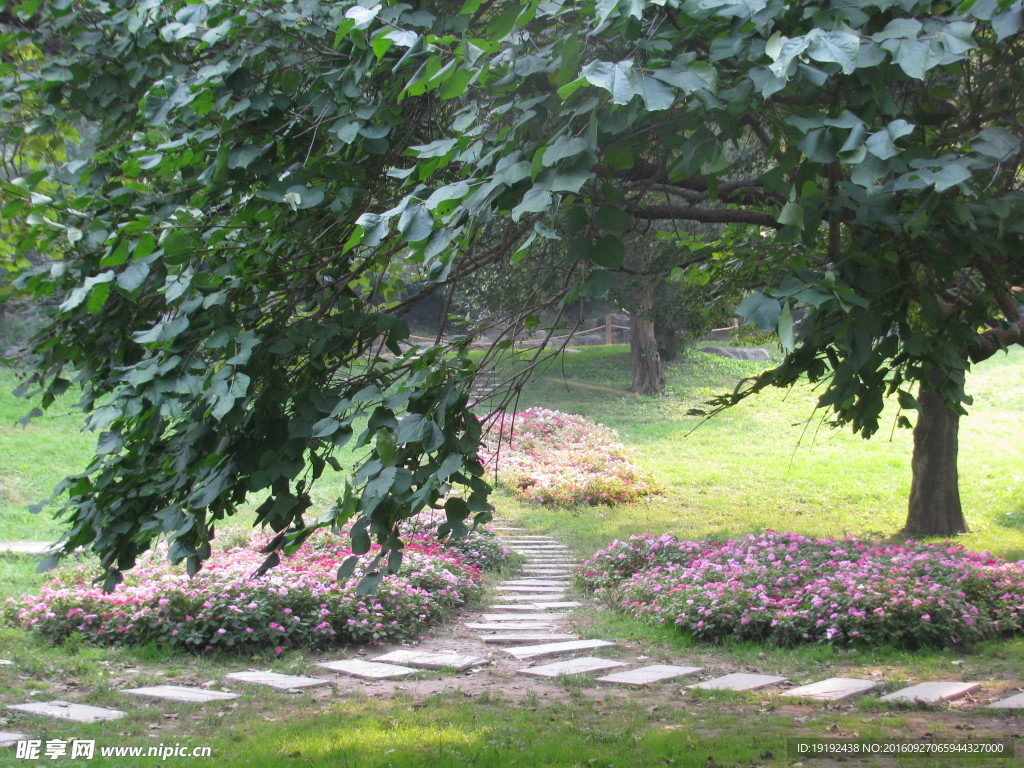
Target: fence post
{"type": "Point", "coordinates": [607, 329]}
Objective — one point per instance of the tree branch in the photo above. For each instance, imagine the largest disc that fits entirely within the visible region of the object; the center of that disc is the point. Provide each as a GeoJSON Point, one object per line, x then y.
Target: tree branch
{"type": "Point", "coordinates": [706, 215]}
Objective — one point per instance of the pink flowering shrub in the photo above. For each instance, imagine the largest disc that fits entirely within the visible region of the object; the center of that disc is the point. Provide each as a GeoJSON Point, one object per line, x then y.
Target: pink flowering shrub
{"type": "Point", "coordinates": [560, 459]}
{"type": "Point", "coordinates": [300, 603]}
{"type": "Point", "coordinates": [787, 589]}
{"type": "Point", "coordinates": [480, 548]}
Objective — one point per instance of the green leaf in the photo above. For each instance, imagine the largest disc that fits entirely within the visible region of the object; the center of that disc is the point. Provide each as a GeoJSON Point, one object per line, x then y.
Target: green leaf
{"type": "Point", "coordinates": [608, 252]}
{"type": "Point", "coordinates": [535, 200]}
{"type": "Point", "coordinates": [562, 148]}
{"type": "Point", "coordinates": [599, 282]}
{"type": "Point", "coordinates": [763, 312]}
{"type": "Point", "coordinates": [835, 46]}
{"type": "Point", "coordinates": [792, 214]}
{"type": "Point", "coordinates": [786, 337]}
{"type": "Point", "coordinates": [624, 82]}
{"type": "Point", "coordinates": [416, 223]}
{"type": "Point", "coordinates": [376, 489]}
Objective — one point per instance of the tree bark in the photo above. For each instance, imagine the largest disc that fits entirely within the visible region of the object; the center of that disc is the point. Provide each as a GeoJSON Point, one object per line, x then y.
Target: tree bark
{"type": "Point", "coordinates": [934, 508]}
{"type": "Point", "coordinates": [648, 371]}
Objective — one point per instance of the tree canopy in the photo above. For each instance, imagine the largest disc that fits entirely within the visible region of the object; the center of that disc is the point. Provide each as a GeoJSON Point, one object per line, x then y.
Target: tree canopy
{"type": "Point", "coordinates": [274, 183]}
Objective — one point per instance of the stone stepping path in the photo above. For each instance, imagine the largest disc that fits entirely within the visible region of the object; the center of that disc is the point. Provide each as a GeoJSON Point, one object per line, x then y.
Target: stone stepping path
{"type": "Point", "coordinates": [26, 547]}
{"type": "Point", "coordinates": [528, 616]}
{"type": "Point", "coordinates": [505, 626]}
{"type": "Point", "coordinates": [368, 670]}
{"type": "Point", "coordinates": [654, 673]}
{"type": "Point", "coordinates": [739, 681]}
{"type": "Point", "coordinates": [181, 693]}
{"type": "Point", "coordinates": [555, 649]}
{"type": "Point", "coordinates": [65, 710]}
{"type": "Point", "coordinates": [833, 689]}
{"type": "Point", "coordinates": [430, 660]}
{"type": "Point", "coordinates": [277, 680]}
{"type": "Point", "coordinates": [579, 666]}
{"type": "Point", "coordinates": [932, 693]}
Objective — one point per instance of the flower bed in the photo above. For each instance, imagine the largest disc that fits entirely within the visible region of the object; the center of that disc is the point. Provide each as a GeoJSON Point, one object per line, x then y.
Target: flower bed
{"type": "Point", "coordinates": [300, 603]}
{"type": "Point", "coordinates": [786, 589]}
{"type": "Point", "coordinates": [558, 458]}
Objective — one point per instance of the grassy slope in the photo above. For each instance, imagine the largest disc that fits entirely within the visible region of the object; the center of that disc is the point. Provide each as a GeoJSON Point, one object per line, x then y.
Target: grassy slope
{"type": "Point", "coordinates": [772, 463]}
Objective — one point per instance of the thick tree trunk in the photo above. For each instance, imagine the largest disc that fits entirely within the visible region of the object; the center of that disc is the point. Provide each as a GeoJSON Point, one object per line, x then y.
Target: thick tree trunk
{"type": "Point", "coordinates": [934, 508]}
{"type": "Point", "coordinates": [648, 372]}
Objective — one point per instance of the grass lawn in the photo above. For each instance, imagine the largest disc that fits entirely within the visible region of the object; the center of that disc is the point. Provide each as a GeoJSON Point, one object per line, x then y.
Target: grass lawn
{"type": "Point", "coordinates": [768, 464]}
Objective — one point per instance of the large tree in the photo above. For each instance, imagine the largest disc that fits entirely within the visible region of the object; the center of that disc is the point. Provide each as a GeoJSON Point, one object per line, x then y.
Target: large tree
{"type": "Point", "coordinates": [267, 175]}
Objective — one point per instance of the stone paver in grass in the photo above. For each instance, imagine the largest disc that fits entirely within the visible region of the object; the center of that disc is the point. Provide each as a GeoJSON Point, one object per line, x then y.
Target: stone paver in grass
{"type": "Point", "coordinates": [5, 663]}
{"type": "Point", "coordinates": [26, 547]}
{"type": "Point", "coordinates": [739, 681]}
{"type": "Point", "coordinates": [522, 616]}
{"type": "Point", "coordinates": [527, 637]}
{"type": "Point", "coordinates": [181, 693]}
{"type": "Point", "coordinates": [1014, 702]}
{"type": "Point", "coordinates": [370, 670]}
{"type": "Point", "coordinates": [277, 680]}
{"type": "Point", "coordinates": [553, 649]}
{"type": "Point", "coordinates": [654, 673]}
{"type": "Point", "coordinates": [532, 588]}
{"type": "Point", "coordinates": [10, 738]}
{"type": "Point", "coordinates": [505, 626]}
{"type": "Point", "coordinates": [558, 604]}
{"type": "Point", "coordinates": [833, 689]}
{"type": "Point", "coordinates": [573, 667]}
{"type": "Point", "coordinates": [64, 710]}
{"type": "Point", "coordinates": [432, 660]}
{"type": "Point", "coordinates": [934, 692]}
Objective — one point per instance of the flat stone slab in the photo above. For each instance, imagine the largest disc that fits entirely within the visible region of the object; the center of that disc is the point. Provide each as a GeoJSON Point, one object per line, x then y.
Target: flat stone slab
{"type": "Point", "coordinates": [277, 680]}
{"type": "Point", "coordinates": [64, 710]}
{"type": "Point", "coordinates": [560, 583]}
{"type": "Point", "coordinates": [553, 649]}
{"type": "Point", "coordinates": [739, 681]}
{"type": "Point", "coordinates": [516, 617]}
{"type": "Point", "coordinates": [655, 673]}
{"type": "Point", "coordinates": [1014, 702]}
{"type": "Point", "coordinates": [505, 626]}
{"type": "Point", "coordinates": [527, 637]}
{"type": "Point", "coordinates": [429, 660]}
{"type": "Point", "coordinates": [573, 667]}
{"type": "Point", "coordinates": [833, 689]}
{"type": "Point", "coordinates": [559, 604]}
{"type": "Point", "coordinates": [369, 670]}
{"type": "Point", "coordinates": [27, 547]}
{"type": "Point", "coordinates": [181, 693]}
{"type": "Point", "coordinates": [5, 663]}
{"type": "Point", "coordinates": [9, 738]}
{"type": "Point", "coordinates": [532, 588]}
{"type": "Point", "coordinates": [515, 597]}
{"type": "Point", "coordinates": [932, 692]}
